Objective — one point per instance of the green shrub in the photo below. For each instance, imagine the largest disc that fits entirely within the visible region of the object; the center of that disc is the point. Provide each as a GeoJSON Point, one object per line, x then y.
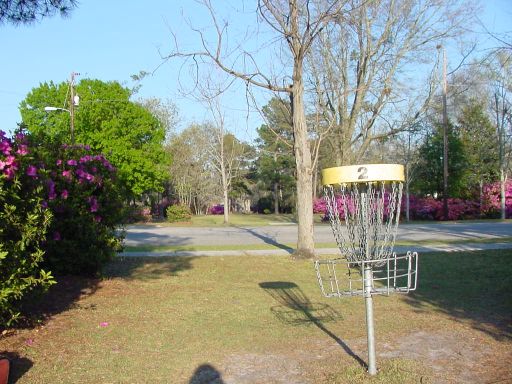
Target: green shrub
{"type": "Point", "coordinates": [178, 212]}
{"type": "Point", "coordinates": [23, 225]}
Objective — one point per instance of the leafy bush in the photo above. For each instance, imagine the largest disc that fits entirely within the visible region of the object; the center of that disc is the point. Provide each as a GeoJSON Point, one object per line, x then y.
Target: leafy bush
{"type": "Point", "coordinates": [23, 225]}
{"type": "Point", "coordinates": [82, 193]}
{"type": "Point", "coordinates": [264, 204]}
{"type": "Point", "coordinates": [178, 212]}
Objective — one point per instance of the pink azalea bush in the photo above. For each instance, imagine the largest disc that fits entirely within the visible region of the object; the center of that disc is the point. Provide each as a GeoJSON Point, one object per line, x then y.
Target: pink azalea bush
{"type": "Point", "coordinates": [428, 208]}
{"type": "Point", "coordinates": [23, 226]}
{"type": "Point", "coordinates": [320, 206]}
{"type": "Point", "coordinates": [492, 199]}
{"type": "Point", "coordinates": [87, 207]}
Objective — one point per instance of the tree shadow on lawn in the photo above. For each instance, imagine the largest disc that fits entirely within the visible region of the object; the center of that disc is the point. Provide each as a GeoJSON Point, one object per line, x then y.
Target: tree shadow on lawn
{"type": "Point", "coordinates": [60, 297]}
{"type": "Point", "coordinates": [68, 291]}
{"type": "Point", "coordinates": [40, 308]}
{"type": "Point", "coordinates": [474, 286]}
{"type": "Point", "coordinates": [266, 239]}
{"type": "Point", "coordinates": [135, 237]}
{"type": "Point", "coordinates": [296, 308]}
{"type": "Point", "coordinates": [147, 268]}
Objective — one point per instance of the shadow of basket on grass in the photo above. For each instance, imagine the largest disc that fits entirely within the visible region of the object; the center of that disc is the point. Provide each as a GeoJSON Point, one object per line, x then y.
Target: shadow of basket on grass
{"type": "Point", "coordinates": [295, 308]}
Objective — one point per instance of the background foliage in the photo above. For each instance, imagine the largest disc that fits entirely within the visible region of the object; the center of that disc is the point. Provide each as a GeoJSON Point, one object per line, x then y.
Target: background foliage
{"type": "Point", "coordinates": [109, 122]}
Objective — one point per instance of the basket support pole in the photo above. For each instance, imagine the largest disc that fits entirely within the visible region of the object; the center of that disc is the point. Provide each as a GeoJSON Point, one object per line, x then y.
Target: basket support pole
{"type": "Point", "coordinates": [367, 276]}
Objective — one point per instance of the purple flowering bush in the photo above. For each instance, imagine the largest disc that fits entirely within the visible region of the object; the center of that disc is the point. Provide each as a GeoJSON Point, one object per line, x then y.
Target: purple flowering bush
{"type": "Point", "coordinates": [82, 194]}
{"type": "Point", "coordinates": [216, 210]}
{"type": "Point", "coordinates": [23, 225]}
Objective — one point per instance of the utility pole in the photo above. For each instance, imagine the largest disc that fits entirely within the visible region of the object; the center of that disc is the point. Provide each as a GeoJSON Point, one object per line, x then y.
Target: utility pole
{"type": "Point", "coordinates": [73, 102]}
{"type": "Point", "coordinates": [407, 182]}
{"type": "Point", "coordinates": [445, 140]}
{"type": "Point", "coordinates": [500, 123]}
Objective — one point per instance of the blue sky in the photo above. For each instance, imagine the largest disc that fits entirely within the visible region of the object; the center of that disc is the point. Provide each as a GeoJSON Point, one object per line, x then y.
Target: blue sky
{"type": "Point", "coordinates": [112, 40]}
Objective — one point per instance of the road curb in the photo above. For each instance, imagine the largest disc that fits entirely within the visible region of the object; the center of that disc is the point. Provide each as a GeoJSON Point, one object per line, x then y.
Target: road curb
{"type": "Point", "coordinates": [319, 251]}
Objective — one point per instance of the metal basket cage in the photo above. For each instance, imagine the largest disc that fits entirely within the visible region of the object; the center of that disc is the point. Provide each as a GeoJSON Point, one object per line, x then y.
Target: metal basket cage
{"type": "Point", "coordinates": [342, 278]}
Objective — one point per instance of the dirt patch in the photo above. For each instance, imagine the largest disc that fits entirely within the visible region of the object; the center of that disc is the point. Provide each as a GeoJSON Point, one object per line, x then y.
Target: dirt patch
{"type": "Point", "coordinates": [257, 368]}
{"type": "Point", "coordinates": [455, 357]}
{"type": "Point", "coordinates": [461, 356]}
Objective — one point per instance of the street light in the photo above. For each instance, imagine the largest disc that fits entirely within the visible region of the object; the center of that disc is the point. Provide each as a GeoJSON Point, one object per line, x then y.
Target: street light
{"type": "Point", "coordinates": [48, 109]}
{"type": "Point", "coordinates": [76, 100]}
{"type": "Point", "coordinates": [72, 125]}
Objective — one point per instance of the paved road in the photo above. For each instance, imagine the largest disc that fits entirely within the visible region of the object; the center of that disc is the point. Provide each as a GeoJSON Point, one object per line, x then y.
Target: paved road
{"type": "Point", "coordinates": [279, 235]}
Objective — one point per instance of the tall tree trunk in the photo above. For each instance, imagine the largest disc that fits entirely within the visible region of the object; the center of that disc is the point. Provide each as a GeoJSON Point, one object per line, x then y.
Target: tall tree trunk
{"type": "Point", "coordinates": [225, 189]}
{"type": "Point", "coordinates": [276, 198]}
{"type": "Point", "coordinates": [503, 207]}
{"type": "Point", "coordinates": [407, 196]}
{"type": "Point", "coordinates": [305, 241]}
{"type": "Point", "coordinates": [481, 198]}
{"type": "Point", "coordinates": [226, 206]}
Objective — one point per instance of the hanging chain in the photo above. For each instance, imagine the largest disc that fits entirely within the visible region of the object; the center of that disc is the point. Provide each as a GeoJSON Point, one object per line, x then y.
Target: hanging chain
{"type": "Point", "coordinates": [371, 213]}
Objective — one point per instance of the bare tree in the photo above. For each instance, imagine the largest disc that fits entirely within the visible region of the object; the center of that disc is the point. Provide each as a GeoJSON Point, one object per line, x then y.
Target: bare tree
{"type": "Point", "coordinates": [225, 151]}
{"type": "Point", "coordinates": [502, 109]}
{"type": "Point", "coordinates": [193, 179]}
{"type": "Point", "coordinates": [366, 68]}
{"type": "Point", "coordinates": [165, 111]}
{"type": "Point", "coordinates": [296, 23]}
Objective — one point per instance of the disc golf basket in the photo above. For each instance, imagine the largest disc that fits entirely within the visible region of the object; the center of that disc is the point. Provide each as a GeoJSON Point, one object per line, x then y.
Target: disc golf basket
{"type": "Point", "coordinates": [363, 205]}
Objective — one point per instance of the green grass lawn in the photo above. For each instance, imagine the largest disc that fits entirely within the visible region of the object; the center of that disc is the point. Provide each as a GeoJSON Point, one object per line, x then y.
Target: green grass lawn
{"type": "Point", "coordinates": [182, 320]}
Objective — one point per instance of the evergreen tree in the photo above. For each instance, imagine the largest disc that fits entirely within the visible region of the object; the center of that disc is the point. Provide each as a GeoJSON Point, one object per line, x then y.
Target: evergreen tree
{"type": "Point", "coordinates": [480, 144]}
{"type": "Point", "coordinates": [429, 170]}
{"type": "Point", "coordinates": [30, 11]}
{"type": "Point", "coordinates": [275, 163]}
